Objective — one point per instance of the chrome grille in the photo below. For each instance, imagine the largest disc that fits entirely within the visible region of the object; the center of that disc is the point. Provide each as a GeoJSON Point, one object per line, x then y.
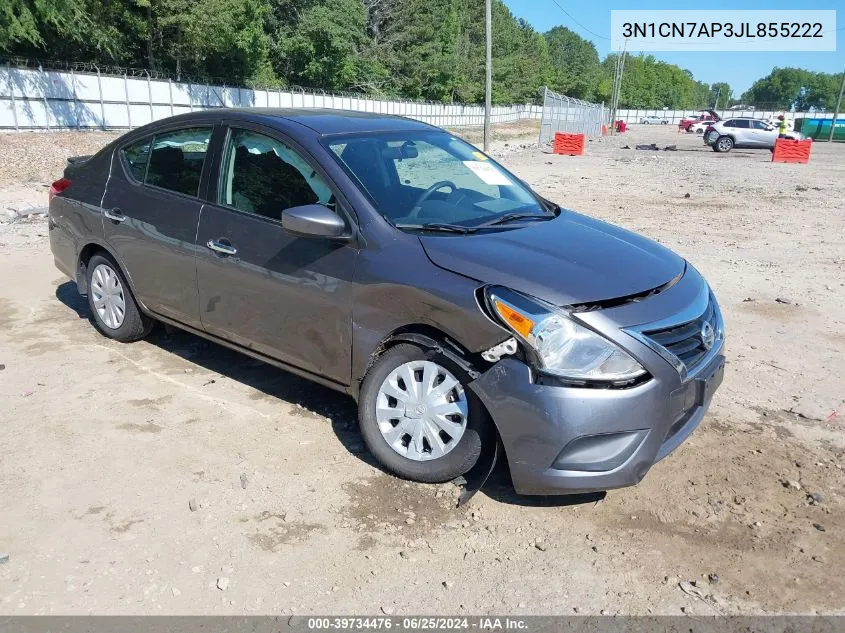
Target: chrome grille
{"type": "Point", "coordinates": [685, 341]}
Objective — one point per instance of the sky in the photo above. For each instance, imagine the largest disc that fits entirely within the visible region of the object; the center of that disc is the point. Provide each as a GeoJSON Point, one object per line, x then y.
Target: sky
{"type": "Point", "coordinates": [739, 69]}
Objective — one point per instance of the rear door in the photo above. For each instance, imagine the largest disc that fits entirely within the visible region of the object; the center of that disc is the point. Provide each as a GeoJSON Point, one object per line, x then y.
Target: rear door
{"type": "Point", "coordinates": [283, 296]}
{"type": "Point", "coordinates": [151, 210]}
{"type": "Point", "coordinates": [743, 136]}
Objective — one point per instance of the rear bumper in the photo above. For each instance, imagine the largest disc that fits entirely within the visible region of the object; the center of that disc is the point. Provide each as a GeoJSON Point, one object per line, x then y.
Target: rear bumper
{"type": "Point", "coordinates": [562, 440]}
{"type": "Point", "coordinates": [62, 246]}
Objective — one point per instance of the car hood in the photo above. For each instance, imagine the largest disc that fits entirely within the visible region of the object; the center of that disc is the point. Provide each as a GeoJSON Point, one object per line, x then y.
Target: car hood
{"type": "Point", "coordinates": [570, 260]}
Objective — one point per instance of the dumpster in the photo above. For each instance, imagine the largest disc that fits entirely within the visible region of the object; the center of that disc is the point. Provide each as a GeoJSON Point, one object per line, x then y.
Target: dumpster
{"type": "Point", "coordinates": [819, 129]}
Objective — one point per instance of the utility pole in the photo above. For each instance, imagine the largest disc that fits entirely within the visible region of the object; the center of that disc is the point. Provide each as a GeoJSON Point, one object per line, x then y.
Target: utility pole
{"type": "Point", "coordinates": [488, 90]}
{"type": "Point", "coordinates": [617, 86]}
{"type": "Point", "coordinates": [836, 109]}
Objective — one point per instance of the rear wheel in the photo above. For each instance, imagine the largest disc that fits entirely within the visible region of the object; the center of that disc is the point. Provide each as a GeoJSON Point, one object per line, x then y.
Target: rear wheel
{"type": "Point", "coordinates": [112, 305]}
{"type": "Point", "coordinates": [418, 418]}
{"type": "Point", "coordinates": [723, 144]}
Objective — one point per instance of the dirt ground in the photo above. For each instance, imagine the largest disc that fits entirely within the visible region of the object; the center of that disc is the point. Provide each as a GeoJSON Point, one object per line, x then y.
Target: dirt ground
{"type": "Point", "coordinates": [106, 448]}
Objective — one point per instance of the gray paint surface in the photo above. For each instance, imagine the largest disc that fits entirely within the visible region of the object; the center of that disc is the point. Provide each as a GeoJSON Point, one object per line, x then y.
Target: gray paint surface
{"type": "Point", "coordinates": [323, 307]}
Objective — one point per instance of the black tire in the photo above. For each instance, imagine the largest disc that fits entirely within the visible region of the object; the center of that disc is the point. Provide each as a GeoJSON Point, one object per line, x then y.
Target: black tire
{"type": "Point", "coordinates": [723, 144]}
{"type": "Point", "coordinates": [459, 460]}
{"type": "Point", "coordinates": [135, 325]}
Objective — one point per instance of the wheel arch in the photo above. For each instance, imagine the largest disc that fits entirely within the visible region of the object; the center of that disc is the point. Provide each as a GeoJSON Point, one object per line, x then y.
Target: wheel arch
{"type": "Point", "coordinates": [86, 253]}
{"type": "Point", "coordinates": [428, 337]}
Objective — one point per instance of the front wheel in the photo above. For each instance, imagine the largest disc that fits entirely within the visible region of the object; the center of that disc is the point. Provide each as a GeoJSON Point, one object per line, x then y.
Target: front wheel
{"type": "Point", "coordinates": [724, 144]}
{"type": "Point", "coordinates": [418, 418]}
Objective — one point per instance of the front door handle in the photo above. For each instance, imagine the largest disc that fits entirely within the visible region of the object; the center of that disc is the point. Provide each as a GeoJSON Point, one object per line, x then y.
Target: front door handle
{"type": "Point", "coordinates": [115, 215]}
{"type": "Point", "coordinates": [221, 247]}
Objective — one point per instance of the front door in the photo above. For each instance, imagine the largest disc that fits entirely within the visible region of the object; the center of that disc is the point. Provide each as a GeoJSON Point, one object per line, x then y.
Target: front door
{"type": "Point", "coordinates": [151, 209]}
{"type": "Point", "coordinates": [260, 287]}
{"type": "Point", "coordinates": [764, 136]}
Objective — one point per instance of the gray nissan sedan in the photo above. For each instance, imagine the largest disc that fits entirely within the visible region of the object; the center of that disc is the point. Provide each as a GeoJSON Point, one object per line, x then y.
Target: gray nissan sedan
{"type": "Point", "coordinates": [394, 262]}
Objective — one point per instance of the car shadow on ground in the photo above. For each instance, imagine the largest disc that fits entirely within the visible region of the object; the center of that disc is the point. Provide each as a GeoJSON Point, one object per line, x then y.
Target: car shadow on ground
{"type": "Point", "coordinates": [307, 396]}
{"type": "Point", "coordinates": [499, 487]}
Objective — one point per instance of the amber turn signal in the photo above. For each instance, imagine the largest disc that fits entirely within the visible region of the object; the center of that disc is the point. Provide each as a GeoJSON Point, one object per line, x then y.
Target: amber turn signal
{"type": "Point", "coordinates": [519, 322]}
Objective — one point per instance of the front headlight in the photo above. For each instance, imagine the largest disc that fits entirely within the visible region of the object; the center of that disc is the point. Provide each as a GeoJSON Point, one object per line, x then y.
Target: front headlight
{"type": "Point", "coordinates": [560, 345]}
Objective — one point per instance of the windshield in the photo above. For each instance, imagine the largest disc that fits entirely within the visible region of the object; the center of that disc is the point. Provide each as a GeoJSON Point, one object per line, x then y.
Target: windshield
{"type": "Point", "coordinates": [431, 178]}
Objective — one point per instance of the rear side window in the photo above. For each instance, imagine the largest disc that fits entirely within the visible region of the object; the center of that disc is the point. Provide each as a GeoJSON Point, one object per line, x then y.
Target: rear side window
{"type": "Point", "coordinates": [176, 160]}
{"type": "Point", "coordinates": [135, 156]}
{"type": "Point", "coordinates": [741, 123]}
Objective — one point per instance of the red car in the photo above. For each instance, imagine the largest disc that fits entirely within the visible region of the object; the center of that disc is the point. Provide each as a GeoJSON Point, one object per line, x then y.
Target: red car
{"type": "Point", "coordinates": [707, 115]}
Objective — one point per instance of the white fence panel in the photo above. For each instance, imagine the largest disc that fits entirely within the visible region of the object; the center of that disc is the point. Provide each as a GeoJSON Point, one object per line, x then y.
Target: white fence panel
{"type": "Point", "coordinates": [138, 91]}
{"type": "Point", "coordinates": [36, 99]}
{"type": "Point", "coordinates": [160, 91]}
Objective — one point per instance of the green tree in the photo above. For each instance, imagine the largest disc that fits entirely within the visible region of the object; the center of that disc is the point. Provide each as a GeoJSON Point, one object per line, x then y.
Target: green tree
{"type": "Point", "coordinates": [212, 38]}
{"type": "Point", "coordinates": [720, 91]}
{"type": "Point", "coordinates": [575, 67]}
{"type": "Point", "coordinates": [781, 89]}
{"type": "Point", "coordinates": [26, 21]}
{"type": "Point", "coordinates": [319, 44]}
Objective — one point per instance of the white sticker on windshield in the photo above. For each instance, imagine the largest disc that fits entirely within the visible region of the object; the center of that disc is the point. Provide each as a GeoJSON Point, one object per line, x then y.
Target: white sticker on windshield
{"type": "Point", "coordinates": [488, 172]}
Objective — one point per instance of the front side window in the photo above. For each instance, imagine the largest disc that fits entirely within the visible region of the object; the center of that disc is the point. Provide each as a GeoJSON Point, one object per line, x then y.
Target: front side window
{"type": "Point", "coordinates": [176, 160]}
{"type": "Point", "coordinates": [760, 125]}
{"type": "Point", "coordinates": [416, 178]}
{"type": "Point", "coordinates": [135, 157]}
{"type": "Point", "coordinates": [262, 175]}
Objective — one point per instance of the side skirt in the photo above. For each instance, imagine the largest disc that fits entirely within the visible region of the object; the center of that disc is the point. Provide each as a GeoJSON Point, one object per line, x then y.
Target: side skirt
{"type": "Point", "coordinates": [326, 382]}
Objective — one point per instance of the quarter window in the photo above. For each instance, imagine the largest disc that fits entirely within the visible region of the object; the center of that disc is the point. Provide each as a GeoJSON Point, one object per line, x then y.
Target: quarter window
{"type": "Point", "coordinates": [262, 175]}
{"type": "Point", "coordinates": [176, 160]}
{"type": "Point", "coordinates": [135, 156]}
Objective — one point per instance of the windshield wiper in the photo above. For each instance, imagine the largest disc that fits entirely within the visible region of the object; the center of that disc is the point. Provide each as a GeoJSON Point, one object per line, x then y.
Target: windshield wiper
{"type": "Point", "coordinates": [510, 217]}
{"type": "Point", "coordinates": [439, 226]}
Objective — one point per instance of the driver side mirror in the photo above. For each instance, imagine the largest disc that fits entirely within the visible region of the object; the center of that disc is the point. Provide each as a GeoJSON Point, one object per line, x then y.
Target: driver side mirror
{"type": "Point", "coordinates": [313, 220]}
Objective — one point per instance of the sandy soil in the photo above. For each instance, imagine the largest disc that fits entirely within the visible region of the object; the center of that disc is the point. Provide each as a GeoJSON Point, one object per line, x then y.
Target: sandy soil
{"type": "Point", "coordinates": [172, 476]}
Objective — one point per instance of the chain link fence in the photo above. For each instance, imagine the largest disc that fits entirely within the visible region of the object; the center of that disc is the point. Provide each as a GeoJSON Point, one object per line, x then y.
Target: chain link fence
{"type": "Point", "coordinates": [569, 115]}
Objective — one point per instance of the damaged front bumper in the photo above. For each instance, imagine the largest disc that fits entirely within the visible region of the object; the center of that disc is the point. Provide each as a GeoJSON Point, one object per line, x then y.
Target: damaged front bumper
{"type": "Point", "coordinates": [566, 440]}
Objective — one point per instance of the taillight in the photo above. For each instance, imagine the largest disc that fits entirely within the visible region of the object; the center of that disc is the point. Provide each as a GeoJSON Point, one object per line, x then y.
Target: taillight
{"type": "Point", "coordinates": [57, 187]}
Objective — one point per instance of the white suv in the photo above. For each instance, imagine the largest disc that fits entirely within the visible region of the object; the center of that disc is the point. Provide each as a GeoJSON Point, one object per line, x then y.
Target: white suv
{"type": "Point", "coordinates": [744, 133]}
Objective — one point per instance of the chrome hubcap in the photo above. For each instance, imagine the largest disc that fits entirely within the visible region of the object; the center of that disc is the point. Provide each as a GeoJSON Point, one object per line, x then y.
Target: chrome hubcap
{"type": "Point", "coordinates": [724, 144]}
{"type": "Point", "coordinates": [107, 294]}
{"type": "Point", "coordinates": [421, 410]}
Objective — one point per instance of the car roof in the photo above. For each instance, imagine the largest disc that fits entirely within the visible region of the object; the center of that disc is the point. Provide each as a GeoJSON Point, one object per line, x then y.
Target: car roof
{"type": "Point", "coordinates": [322, 121]}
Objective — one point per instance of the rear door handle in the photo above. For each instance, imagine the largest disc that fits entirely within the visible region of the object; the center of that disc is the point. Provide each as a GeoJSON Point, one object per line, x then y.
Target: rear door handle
{"type": "Point", "coordinates": [221, 247]}
{"type": "Point", "coordinates": [115, 215]}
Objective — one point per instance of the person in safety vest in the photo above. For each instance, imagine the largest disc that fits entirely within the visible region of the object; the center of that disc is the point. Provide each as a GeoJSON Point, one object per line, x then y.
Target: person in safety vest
{"type": "Point", "coordinates": [783, 126]}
